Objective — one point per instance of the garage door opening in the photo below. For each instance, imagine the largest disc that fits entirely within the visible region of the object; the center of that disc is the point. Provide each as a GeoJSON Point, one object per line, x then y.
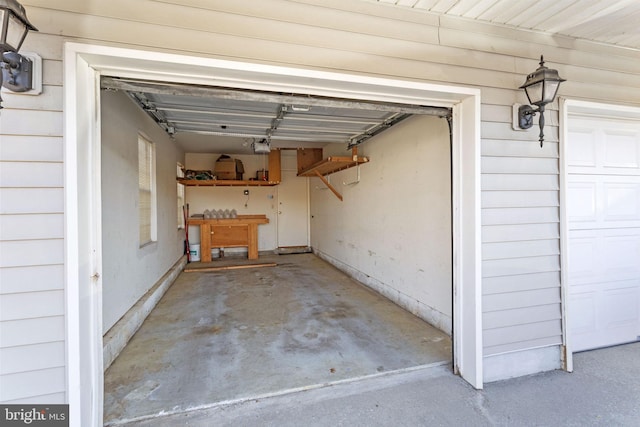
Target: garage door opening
{"type": "Point", "coordinates": [235, 335]}
{"type": "Point", "coordinates": [84, 64]}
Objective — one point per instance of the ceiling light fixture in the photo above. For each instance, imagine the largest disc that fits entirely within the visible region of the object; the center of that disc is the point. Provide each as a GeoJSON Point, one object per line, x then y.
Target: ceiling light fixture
{"type": "Point", "coordinates": [17, 70]}
{"type": "Point", "coordinates": [541, 88]}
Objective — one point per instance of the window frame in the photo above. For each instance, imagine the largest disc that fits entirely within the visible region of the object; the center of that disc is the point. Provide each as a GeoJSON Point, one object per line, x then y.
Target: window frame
{"type": "Point", "coordinates": [147, 230]}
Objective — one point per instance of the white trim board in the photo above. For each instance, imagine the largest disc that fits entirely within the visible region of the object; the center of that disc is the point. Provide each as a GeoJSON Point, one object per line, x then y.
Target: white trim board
{"type": "Point", "coordinates": [85, 63]}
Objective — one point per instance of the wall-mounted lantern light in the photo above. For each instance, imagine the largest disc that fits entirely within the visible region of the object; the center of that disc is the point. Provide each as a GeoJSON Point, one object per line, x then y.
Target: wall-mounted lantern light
{"type": "Point", "coordinates": [17, 70]}
{"type": "Point", "coordinates": [541, 88]}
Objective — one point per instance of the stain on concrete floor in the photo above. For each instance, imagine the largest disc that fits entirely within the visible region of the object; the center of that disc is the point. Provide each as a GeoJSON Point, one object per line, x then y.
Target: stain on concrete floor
{"type": "Point", "coordinates": [240, 333]}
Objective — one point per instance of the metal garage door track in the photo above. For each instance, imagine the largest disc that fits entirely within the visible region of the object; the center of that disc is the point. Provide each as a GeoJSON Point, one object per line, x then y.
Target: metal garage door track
{"type": "Point", "coordinates": [239, 334]}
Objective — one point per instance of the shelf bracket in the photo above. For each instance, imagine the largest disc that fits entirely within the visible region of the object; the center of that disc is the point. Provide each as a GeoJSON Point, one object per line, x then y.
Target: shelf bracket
{"type": "Point", "coordinates": [329, 186]}
{"type": "Point", "coordinates": [354, 155]}
{"type": "Point", "coordinates": [357, 180]}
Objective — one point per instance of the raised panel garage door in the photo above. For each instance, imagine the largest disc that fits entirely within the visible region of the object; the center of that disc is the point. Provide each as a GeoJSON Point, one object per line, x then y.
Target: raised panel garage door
{"type": "Point", "coordinates": [603, 210]}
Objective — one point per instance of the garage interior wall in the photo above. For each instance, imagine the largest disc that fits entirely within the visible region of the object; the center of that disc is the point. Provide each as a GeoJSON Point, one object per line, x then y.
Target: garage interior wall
{"type": "Point", "coordinates": [393, 229]}
{"type": "Point", "coordinates": [129, 270]}
{"type": "Point", "coordinates": [519, 183]}
{"type": "Point", "coordinates": [261, 200]}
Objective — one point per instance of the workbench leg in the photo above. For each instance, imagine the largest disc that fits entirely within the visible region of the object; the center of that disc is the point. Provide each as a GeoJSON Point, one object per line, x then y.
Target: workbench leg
{"type": "Point", "coordinates": [205, 242]}
{"type": "Point", "coordinates": [253, 241]}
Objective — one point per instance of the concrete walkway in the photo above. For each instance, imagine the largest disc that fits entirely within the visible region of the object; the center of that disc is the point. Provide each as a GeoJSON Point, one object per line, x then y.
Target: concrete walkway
{"type": "Point", "coordinates": [604, 390]}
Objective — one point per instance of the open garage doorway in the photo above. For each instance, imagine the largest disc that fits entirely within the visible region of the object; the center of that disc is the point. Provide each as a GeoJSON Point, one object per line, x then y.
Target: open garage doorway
{"type": "Point", "coordinates": [84, 255]}
{"type": "Point", "coordinates": [219, 337]}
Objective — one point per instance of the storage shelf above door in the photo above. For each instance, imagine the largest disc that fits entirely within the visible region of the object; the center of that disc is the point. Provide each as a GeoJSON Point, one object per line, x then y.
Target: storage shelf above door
{"type": "Point", "coordinates": [226, 183]}
{"type": "Point", "coordinates": [274, 174]}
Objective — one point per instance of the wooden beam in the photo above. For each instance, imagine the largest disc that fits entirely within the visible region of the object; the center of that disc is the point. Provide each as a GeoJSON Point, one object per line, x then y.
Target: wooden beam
{"type": "Point", "coordinates": [229, 267]}
{"type": "Point", "coordinates": [274, 165]}
{"type": "Point", "coordinates": [329, 186]}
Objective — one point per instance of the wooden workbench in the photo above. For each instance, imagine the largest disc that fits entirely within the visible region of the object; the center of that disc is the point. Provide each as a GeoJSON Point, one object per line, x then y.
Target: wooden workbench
{"type": "Point", "coordinates": [229, 233]}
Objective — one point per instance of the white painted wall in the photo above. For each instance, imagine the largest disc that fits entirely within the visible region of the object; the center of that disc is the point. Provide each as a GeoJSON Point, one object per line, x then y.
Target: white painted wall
{"type": "Point", "coordinates": [129, 270]}
{"type": "Point", "coordinates": [261, 200]}
{"type": "Point", "coordinates": [393, 229]}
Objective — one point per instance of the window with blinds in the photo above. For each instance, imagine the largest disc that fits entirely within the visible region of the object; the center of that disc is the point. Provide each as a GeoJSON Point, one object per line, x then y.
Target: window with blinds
{"type": "Point", "coordinates": [146, 191]}
{"type": "Point", "coordinates": [180, 174]}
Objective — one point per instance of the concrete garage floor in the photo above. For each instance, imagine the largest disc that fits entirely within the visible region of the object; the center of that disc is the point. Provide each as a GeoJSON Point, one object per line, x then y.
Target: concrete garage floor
{"type": "Point", "coordinates": [237, 334]}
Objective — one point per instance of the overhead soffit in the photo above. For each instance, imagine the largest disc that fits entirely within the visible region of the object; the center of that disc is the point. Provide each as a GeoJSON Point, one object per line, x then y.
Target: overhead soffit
{"type": "Point", "coordinates": [613, 22]}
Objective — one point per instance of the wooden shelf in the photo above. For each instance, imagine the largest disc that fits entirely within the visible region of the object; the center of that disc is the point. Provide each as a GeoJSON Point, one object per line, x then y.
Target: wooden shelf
{"type": "Point", "coordinates": [331, 165]}
{"type": "Point", "coordinates": [226, 183]}
{"type": "Point", "coordinates": [274, 175]}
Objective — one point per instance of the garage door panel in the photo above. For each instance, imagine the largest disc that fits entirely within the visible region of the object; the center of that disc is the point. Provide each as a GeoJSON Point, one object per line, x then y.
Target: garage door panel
{"type": "Point", "coordinates": [621, 201]}
{"type": "Point", "coordinates": [621, 255]}
{"type": "Point", "coordinates": [621, 149]}
{"type": "Point", "coordinates": [603, 211]}
{"type": "Point", "coordinates": [603, 256]}
{"type": "Point", "coordinates": [583, 313]}
{"type": "Point", "coordinates": [621, 309]}
{"type": "Point", "coordinates": [603, 201]}
{"type": "Point", "coordinates": [581, 148]}
{"type": "Point", "coordinates": [582, 201]}
{"type": "Point", "coordinates": [604, 316]}
{"type": "Point", "coordinates": [583, 259]}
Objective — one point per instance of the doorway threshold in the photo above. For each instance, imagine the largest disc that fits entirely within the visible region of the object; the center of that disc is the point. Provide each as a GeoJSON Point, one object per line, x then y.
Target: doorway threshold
{"type": "Point", "coordinates": [364, 383]}
{"type": "Point", "coordinates": [291, 250]}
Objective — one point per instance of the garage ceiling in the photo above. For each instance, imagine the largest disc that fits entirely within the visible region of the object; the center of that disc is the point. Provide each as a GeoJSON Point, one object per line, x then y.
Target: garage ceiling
{"type": "Point", "coordinates": [214, 119]}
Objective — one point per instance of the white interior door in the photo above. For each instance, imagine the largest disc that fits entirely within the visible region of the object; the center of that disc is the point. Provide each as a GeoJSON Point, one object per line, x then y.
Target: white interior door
{"type": "Point", "coordinates": [603, 212]}
{"type": "Point", "coordinates": [293, 210]}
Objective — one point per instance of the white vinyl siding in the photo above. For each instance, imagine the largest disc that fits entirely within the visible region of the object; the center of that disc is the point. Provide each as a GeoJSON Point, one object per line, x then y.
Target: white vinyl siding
{"type": "Point", "coordinates": [32, 299]}
{"type": "Point", "coordinates": [335, 35]}
{"type": "Point", "coordinates": [146, 191]}
{"type": "Point", "coordinates": [520, 234]}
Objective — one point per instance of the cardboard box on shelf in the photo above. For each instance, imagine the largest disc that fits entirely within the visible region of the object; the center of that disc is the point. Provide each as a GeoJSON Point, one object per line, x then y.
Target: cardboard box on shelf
{"type": "Point", "coordinates": [228, 168]}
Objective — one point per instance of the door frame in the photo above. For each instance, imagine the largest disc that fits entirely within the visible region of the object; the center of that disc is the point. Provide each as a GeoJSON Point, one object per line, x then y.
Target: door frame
{"type": "Point", "coordinates": [567, 108]}
{"type": "Point", "coordinates": [84, 64]}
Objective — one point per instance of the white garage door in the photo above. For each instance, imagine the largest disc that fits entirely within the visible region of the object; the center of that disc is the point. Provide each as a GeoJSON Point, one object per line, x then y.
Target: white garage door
{"type": "Point", "coordinates": [603, 203]}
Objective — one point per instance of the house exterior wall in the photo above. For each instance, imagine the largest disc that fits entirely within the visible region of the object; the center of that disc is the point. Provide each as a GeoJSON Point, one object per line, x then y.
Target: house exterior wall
{"type": "Point", "coordinates": [129, 270]}
{"type": "Point", "coordinates": [32, 284]}
{"type": "Point", "coordinates": [521, 286]}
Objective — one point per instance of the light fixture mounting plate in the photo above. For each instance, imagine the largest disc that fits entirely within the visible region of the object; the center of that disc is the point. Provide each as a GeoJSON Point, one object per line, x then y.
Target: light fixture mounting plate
{"type": "Point", "coordinates": [36, 76]}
